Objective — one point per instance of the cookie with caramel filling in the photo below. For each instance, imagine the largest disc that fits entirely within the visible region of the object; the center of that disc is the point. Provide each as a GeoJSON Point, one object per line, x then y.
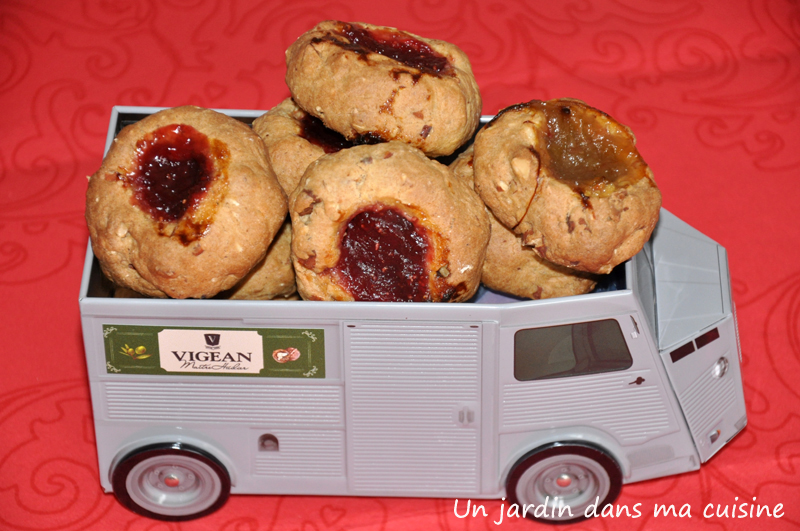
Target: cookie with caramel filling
{"type": "Point", "coordinates": [569, 180]}
{"type": "Point", "coordinates": [376, 83]}
{"type": "Point", "coordinates": [385, 223]}
{"type": "Point", "coordinates": [184, 204]}
{"type": "Point", "coordinates": [294, 139]}
{"type": "Point", "coordinates": [514, 268]}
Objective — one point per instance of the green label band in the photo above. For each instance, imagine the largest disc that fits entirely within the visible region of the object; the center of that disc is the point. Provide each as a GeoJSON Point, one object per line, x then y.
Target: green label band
{"type": "Point", "coordinates": [264, 352]}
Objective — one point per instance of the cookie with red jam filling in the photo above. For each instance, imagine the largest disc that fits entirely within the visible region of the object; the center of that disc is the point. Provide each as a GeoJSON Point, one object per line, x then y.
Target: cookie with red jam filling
{"type": "Point", "coordinates": [184, 204]}
{"type": "Point", "coordinates": [385, 223]}
{"type": "Point", "coordinates": [376, 83]}
{"type": "Point", "coordinates": [569, 180]}
{"type": "Point", "coordinates": [294, 139]}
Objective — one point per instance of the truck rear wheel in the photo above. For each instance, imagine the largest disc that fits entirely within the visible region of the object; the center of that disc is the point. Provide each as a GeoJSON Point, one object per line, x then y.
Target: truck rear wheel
{"type": "Point", "coordinates": [546, 481]}
{"type": "Point", "coordinates": [171, 482]}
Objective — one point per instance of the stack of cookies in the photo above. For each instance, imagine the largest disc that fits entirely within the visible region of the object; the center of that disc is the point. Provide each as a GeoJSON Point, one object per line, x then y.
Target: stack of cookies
{"type": "Point", "coordinates": [191, 203]}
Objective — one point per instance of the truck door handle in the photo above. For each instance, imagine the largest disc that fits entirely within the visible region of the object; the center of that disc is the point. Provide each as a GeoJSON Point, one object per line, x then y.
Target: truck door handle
{"type": "Point", "coordinates": [466, 416]}
{"type": "Point", "coordinates": [637, 381]}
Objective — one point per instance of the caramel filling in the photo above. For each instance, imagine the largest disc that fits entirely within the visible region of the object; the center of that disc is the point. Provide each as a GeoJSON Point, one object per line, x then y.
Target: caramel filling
{"type": "Point", "coordinates": [584, 153]}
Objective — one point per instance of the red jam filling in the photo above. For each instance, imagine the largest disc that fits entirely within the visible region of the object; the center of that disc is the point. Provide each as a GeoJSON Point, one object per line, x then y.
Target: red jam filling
{"type": "Point", "coordinates": [174, 169]}
{"type": "Point", "coordinates": [383, 257]}
{"type": "Point", "coordinates": [398, 45]}
{"type": "Point", "coordinates": [313, 130]}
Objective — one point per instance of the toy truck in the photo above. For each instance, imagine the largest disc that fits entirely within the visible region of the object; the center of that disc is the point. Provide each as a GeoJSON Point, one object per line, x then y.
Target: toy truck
{"type": "Point", "coordinates": [550, 403]}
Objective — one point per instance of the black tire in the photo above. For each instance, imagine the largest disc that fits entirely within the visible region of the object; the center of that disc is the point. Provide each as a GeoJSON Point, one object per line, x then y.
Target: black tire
{"type": "Point", "coordinates": [171, 482]}
{"type": "Point", "coordinates": [559, 474]}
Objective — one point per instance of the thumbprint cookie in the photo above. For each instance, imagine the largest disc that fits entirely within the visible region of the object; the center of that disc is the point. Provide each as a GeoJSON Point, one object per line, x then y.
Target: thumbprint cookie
{"type": "Point", "coordinates": [516, 269]}
{"type": "Point", "coordinates": [294, 139]}
{"type": "Point", "coordinates": [376, 83]}
{"type": "Point", "coordinates": [184, 204]}
{"type": "Point", "coordinates": [569, 180]}
{"type": "Point", "coordinates": [385, 223]}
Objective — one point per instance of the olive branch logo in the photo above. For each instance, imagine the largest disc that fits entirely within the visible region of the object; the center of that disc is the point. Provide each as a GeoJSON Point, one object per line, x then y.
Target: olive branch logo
{"type": "Point", "coordinates": [138, 353]}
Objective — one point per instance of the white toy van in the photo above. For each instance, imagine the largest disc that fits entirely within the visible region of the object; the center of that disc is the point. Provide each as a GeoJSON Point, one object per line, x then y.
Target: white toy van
{"type": "Point", "coordinates": [553, 402]}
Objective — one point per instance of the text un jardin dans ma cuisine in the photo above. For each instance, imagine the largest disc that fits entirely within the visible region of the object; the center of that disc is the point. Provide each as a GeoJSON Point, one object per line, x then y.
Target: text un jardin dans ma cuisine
{"type": "Point", "coordinates": [734, 510]}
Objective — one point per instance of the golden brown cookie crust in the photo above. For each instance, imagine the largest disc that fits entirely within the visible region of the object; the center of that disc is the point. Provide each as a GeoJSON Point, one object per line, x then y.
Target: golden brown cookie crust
{"type": "Point", "coordinates": [210, 247]}
{"type": "Point", "coordinates": [368, 94]}
{"type": "Point", "coordinates": [396, 176]}
{"type": "Point", "coordinates": [590, 225]}
{"type": "Point", "coordinates": [273, 277]}
{"type": "Point", "coordinates": [290, 153]}
{"type": "Point", "coordinates": [514, 268]}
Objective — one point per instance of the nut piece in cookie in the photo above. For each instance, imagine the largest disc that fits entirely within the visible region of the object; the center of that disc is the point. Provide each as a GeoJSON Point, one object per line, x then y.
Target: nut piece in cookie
{"type": "Point", "coordinates": [569, 179]}
{"type": "Point", "coordinates": [514, 268]}
{"type": "Point", "coordinates": [294, 139]}
{"type": "Point", "coordinates": [385, 223]}
{"type": "Point", "coordinates": [184, 204]}
{"type": "Point", "coordinates": [375, 83]}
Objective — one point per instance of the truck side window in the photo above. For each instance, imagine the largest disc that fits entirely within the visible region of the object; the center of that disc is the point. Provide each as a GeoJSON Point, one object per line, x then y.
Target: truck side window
{"type": "Point", "coordinates": [570, 350]}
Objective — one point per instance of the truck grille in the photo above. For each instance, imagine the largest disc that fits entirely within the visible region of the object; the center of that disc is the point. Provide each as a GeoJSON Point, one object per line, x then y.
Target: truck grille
{"type": "Point", "coordinates": [705, 402]}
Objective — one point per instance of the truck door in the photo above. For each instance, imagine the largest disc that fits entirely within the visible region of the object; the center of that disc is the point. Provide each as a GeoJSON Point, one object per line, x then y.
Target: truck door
{"type": "Point", "coordinates": [413, 407]}
{"type": "Point", "coordinates": [599, 374]}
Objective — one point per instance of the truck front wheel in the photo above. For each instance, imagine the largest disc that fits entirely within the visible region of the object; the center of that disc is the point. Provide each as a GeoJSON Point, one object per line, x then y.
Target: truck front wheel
{"type": "Point", "coordinates": [171, 482]}
{"type": "Point", "coordinates": [560, 482]}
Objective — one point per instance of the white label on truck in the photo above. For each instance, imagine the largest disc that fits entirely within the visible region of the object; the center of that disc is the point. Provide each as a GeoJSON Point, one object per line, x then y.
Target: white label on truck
{"type": "Point", "coordinates": [211, 351]}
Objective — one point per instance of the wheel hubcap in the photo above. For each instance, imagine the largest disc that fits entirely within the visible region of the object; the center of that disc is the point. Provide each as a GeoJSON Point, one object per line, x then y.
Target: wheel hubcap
{"type": "Point", "coordinates": [563, 480]}
{"type": "Point", "coordinates": [173, 485]}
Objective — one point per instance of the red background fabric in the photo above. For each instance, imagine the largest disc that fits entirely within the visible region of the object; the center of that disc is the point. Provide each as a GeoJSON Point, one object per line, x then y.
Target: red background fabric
{"type": "Point", "coordinates": [711, 90]}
